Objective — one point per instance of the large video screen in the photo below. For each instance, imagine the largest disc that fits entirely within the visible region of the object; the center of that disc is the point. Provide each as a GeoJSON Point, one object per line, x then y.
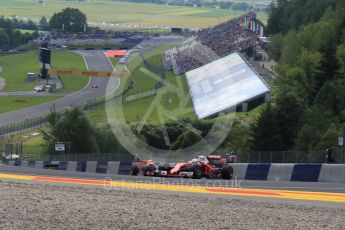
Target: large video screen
{"type": "Point", "coordinates": [223, 84]}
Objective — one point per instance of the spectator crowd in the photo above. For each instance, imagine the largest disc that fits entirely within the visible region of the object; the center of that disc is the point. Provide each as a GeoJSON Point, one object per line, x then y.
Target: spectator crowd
{"type": "Point", "coordinates": [62, 37]}
{"type": "Point", "coordinates": [209, 44]}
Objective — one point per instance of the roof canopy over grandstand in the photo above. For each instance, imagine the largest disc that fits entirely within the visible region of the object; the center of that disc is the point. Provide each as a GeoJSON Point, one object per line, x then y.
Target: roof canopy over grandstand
{"type": "Point", "coordinates": [223, 84]}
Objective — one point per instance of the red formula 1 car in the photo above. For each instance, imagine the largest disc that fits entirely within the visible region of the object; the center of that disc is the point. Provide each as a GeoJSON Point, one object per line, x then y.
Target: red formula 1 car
{"type": "Point", "coordinates": [212, 166]}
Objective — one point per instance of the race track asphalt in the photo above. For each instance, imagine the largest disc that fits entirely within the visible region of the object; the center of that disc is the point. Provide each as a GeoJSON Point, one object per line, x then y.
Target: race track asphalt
{"type": "Point", "coordinates": [95, 60]}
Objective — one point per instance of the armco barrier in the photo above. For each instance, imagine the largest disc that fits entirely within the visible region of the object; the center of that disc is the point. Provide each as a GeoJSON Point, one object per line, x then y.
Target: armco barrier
{"type": "Point", "coordinates": [270, 172]}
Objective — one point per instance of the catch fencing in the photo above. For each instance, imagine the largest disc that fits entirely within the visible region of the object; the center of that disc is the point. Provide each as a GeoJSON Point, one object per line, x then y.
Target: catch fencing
{"type": "Point", "coordinates": [38, 122]}
{"type": "Point", "coordinates": [289, 156]}
{"type": "Point", "coordinates": [38, 153]}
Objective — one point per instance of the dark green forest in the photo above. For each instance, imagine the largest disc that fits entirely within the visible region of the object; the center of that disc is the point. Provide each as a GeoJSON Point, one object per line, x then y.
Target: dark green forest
{"type": "Point", "coordinates": [10, 37]}
{"type": "Point", "coordinates": [308, 41]}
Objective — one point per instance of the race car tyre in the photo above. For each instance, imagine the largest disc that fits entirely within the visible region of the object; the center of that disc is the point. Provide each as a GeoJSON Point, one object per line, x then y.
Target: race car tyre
{"type": "Point", "coordinates": [227, 172]}
{"type": "Point", "coordinates": [197, 172]}
{"type": "Point", "coordinates": [135, 171]}
{"type": "Point", "coordinates": [148, 169]}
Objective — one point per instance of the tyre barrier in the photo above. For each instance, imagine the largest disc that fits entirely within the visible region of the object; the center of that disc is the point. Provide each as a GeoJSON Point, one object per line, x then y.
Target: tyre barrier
{"type": "Point", "coordinates": [242, 171]}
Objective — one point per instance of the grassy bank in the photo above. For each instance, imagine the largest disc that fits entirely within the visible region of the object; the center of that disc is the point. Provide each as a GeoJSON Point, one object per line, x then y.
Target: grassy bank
{"type": "Point", "coordinates": [11, 103]}
{"type": "Point", "coordinates": [15, 68]}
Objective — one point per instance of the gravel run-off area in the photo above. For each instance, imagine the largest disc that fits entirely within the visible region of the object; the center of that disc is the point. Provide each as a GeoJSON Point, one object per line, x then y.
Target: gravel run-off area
{"type": "Point", "coordinates": [34, 205]}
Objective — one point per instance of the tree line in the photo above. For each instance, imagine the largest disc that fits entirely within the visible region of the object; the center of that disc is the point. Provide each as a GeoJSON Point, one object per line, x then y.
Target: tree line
{"type": "Point", "coordinates": [73, 127]}
{"type": "Point", "coordinates": [69, 19]}
{"type": "Point", "coordinates": [308, 41]}
{"type": "Point", "coordinates": [10, 37]}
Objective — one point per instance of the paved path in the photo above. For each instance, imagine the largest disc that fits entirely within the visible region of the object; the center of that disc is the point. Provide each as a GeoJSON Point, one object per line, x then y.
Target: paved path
{"type": "Point", "coordinates": [95, 60]}
{"type": "Point", "coordinates": [32, 94]}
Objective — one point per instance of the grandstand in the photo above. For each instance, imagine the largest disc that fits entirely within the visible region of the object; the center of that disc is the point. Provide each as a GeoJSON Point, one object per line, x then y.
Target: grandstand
{"type": "Point", "coordinates": [210, 44]}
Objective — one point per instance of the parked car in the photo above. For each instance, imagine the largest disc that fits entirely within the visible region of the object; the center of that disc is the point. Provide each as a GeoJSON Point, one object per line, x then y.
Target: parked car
{"type": "Point", "coordinates": [39, 88]}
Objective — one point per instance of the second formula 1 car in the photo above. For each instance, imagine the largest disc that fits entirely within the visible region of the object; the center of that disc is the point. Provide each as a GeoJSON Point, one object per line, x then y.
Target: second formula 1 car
{"type": "Point", "coordinates": [212, 166]}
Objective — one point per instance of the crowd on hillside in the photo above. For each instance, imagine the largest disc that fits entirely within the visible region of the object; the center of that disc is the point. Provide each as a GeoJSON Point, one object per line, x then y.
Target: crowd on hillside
{"type": "Point", "coordinates": [101, 34]}
{"type": "Point", "coordinates": [211, 43]}
{"type": "Point", "coordinates": [59, 37]}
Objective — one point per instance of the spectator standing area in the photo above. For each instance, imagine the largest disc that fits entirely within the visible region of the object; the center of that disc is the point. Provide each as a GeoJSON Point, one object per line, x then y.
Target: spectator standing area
{"type": "Point", "coordinates": [212, 43]}
{"type": "Point", "coordinates": [224, 84]}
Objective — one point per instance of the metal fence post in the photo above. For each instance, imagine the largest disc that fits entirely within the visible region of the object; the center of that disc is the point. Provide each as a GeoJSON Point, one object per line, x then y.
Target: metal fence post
{"type": "Point", "coordinates": [343, 145]}
{"type": "Point", "coordinates": [283, 160]}
{"type": "Point", "coordinates": [271, 157]}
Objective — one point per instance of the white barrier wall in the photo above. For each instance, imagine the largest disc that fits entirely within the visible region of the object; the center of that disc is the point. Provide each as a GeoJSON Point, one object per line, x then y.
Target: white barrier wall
{"type": "Point", "coordinates": [91, 166]}
{"type": "Point", "coordinates": [332, 173]}
{"type": "Point", "coordinates": [55, 162]}
{"type": "Point", "coordinates": [72, 166]}
{"type": "Point", "coordinates": [280, 172]}
{"type": "Point", "coordinates": [240, 170]}
{"type": "Point", "coordinates": [39, 164]}
{"type": "Point", "coordinates": [113, 167]}
{"type": "Point", "coordinates": [276, 172]}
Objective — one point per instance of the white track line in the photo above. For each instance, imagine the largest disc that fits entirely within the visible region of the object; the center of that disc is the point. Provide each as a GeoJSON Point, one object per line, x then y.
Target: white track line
{"type": "Point", "coordinates": [118, 78]}
{"type": "Point", "coordinates": [291, 187]}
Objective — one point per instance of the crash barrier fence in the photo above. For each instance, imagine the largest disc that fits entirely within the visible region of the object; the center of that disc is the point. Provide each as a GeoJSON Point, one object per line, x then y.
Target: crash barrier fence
{"type": "Point", "coordinates": [143, 94]}
{"type": "Point", "coordinates": [128, 97]}
{"type": "Point", "coordinates": [19, 127]}
{"type": "Point", "coordinates": [242, 171]}
{"type": "Point", "coordinates": [290, 156]}
{"type": "Point", "coordinates": [29, 154]}
{"type": "Point", "coordinates": [34, 123]}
